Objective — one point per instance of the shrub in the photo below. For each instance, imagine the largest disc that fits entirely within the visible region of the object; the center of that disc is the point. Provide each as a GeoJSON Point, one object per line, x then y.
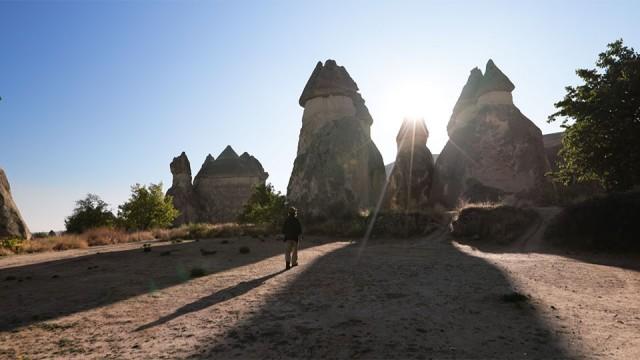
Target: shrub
{"type": "Point", "coordinates": [147, 208]}
{"type": "Point", "coordinates": [398, 224]}
{"type": "Point", "coordinates": [514, 297]}
{"type": "Point", "coordinates": [265, 207]}
{"type": "Point", "coordinates": [485, 222]}
{"type": "Point", "coordinates": [604, 223]}
{"type": "Point", "coordinates": [12, 244]}
{"type": "Point", "coordinates": [90, 212]}
{"type": "Point", "coordinates": [197, 272]}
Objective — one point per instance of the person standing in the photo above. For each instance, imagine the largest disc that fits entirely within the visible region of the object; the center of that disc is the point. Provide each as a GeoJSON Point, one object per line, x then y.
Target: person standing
{"type": "Point", "coordinates": [292, 231]}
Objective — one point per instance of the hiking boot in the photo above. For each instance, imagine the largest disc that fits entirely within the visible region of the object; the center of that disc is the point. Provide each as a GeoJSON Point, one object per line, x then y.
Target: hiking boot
{"type": "Point", "coordinates": [294, 264]}
{"type": "Point", "coordinates": [288, 267]}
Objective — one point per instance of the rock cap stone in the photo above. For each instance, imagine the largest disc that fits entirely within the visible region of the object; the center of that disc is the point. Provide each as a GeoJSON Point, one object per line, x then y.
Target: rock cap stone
{"type": "Point", "coordinates": [494, 80]}
{"type": "Point", "coordinates": [328, 79]}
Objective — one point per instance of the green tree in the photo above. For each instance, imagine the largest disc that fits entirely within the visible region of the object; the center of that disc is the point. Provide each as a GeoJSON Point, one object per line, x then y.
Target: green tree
{"type": "Point", "coordinates": [602, 142]}
{"type": "Point", "coordinates": [147, 208]}
{"type": "Point", "coordinates": [265, 206]}
{"type": "Point", "coordinates": [90, 212]}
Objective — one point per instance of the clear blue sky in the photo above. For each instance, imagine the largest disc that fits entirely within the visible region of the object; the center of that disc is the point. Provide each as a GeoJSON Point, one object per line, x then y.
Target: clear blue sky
{"type": "Point", "coordinates": [100, 95]}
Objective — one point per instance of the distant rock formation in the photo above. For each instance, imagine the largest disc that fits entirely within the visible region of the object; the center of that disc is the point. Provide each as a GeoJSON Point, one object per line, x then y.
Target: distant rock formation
{"type": "Point", "coordinates": [494, 151]}
{"type": "Point", "coordinates": [220, 189]}
{"type": "Point", "coordinates": [338, 170]}
{"type": "Point", "coordinates": [184, 196]}
{"type": "Point", "coordinates": [409, 184]}
{"type": "Point", "coordinates": [11, 223]}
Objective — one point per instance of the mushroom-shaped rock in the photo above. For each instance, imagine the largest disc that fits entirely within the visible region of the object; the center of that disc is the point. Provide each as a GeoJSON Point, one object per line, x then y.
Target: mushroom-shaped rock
{"type": "Point", "coordinates": [411, 177]}
{"type": "Point", "coordinates": [494, 151]}
{"type": "Point", "coordinates": [11, 223]}
{"type": "Point", "coordinates": [338, 170]}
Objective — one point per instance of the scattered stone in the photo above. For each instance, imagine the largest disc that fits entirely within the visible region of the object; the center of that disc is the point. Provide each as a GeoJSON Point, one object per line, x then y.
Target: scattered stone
{"type": "Point", "coordinates": [205, 252]}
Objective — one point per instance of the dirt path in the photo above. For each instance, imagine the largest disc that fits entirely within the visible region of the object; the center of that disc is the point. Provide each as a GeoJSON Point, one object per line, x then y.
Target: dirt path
{"type": "Point", "coordinates": [421, 298]}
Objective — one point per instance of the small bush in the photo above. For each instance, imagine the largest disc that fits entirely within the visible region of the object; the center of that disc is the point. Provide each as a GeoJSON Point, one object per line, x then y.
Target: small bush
{"type": "Point", "coordinates": [488, 223]}
{"type": "Point", "coordinates": [90, 212]}
{"type": "Point", "coordinates": [197, 272]}
{"type": "Point", "coordinates": [604, 223]}
{"type": "Point", "coordinates": [147, 208]}
{"type": "Point", "coordinates": [514, 297]}
{"type": "Point", "coordinates": [244, 250]}
{"type": "Point", "coordinates": [265, 207]}
{"type": "Point", "coordinates": [397, 224]}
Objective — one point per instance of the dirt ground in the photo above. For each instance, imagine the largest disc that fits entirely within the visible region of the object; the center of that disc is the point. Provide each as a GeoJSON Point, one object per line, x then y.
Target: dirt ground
{"type": "Point", "coordinates": [420, 298]}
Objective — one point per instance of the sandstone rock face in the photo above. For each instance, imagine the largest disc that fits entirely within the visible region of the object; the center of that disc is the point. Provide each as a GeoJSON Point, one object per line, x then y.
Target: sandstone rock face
{"type": "Point", "coordinates": [184, 196]}
{"type": "Point", "coordinates": [409, 186]}
{"type": "Point", "coordinates": [11, 223]}
{"type": "Point", "coordinates": [220, 189]}
{"type": "Point", "coordinates": [494, 151]}
{"type": "Point", "coordinates": [338, 170]}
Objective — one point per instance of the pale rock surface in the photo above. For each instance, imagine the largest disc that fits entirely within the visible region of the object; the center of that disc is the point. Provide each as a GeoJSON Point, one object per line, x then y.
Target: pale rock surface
{"type": "Point", "coordinates": [409, 184]}
{"type": "Point", "coordinates": [338, 170]}
{"type": "Point", "coordinates": [494, 152]}
{"type": "Point", "coordinates": [11, 223]}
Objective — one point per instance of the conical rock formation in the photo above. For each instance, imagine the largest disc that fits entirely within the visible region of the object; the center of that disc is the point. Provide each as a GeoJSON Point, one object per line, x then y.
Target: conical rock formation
{"type": "Point", "coordinates": [494, 151]}
{"type": "Point", "coordinates": [338, 170]}
{"type": "Point", "coordinates": [11, 223]}
{"type": "Point", "coordinates": [409, 187]}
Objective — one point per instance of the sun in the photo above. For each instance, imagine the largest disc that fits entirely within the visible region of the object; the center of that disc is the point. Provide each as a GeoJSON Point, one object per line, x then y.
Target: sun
{"type": "Point", "coordinates": [409, 100]}
{"type": "Point", "coordinates": [413, 99]}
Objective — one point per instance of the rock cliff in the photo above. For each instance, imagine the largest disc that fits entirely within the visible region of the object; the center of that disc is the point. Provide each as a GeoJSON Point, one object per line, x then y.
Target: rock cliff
{"type": "Point", "coordinates": [11, 223]}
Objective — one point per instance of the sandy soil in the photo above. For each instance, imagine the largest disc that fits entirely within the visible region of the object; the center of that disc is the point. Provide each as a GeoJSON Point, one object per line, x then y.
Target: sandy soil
{"type": "Point", "coordinates": [420, 298]}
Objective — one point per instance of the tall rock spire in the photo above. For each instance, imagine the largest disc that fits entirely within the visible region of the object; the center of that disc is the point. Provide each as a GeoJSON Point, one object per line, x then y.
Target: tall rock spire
{"type": "Point", "coordinates": [494, 152]}
{"type": "Point", "coordinates": [338, 170]}
{"type": "Point", "coordinates": [409, 186]}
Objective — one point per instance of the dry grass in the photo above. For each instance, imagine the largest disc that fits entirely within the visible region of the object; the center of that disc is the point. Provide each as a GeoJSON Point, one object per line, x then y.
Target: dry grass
{"type": "Point", "coordinates": [54, 243]}
{"type": "Point", "coordinates": [110, 236]}
{"type": "Point", "coordinates": [93, 237]}
{"type": "Point", "coordinates": [464, 204]}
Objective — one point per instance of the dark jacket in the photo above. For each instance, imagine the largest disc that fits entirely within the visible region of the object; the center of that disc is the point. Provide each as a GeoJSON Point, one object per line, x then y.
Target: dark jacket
{"type": "Point", "coordinates": [292, 228]}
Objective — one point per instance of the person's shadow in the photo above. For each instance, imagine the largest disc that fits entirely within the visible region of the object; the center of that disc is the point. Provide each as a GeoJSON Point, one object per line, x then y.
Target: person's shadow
{"type": "Point", "coordinates": [213, 299]}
